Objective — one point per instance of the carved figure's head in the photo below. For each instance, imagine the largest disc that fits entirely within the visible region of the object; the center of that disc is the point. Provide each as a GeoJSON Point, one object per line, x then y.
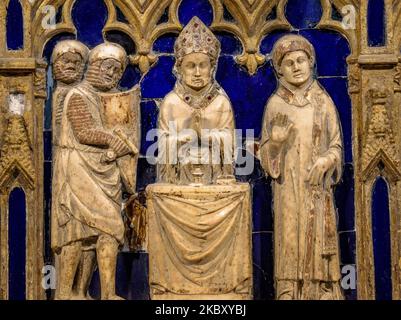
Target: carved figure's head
{"type": "Point", "coordinates": [196, 51]}
{"type": "Point", "coordinates": [107, 63]}
{"type": "Point", "coordinates": [293, 59]}
{"type": "Point", "coordinates": [69, 59]}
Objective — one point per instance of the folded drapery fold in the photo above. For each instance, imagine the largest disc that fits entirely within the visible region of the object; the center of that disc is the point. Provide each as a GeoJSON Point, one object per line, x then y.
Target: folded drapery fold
{"type": "Point", "coordinates": [200, 239]}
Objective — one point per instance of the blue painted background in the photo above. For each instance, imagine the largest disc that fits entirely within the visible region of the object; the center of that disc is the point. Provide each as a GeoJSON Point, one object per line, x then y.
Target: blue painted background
{"type": "Point", "coordinates": [17, 245]}
{"type": "Point", "coordinates": [14, 26]}
{"type": "Point", "coordinates": [248, 95]}
{"type": "Point", "coordinates": [381, 239]}
{"type": "Point", "coordinates": [376, 23]}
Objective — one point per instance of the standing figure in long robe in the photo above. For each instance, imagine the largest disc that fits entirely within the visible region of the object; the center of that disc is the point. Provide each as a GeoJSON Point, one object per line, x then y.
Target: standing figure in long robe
{"type": "Point", "coordinates": [87, 210]}
{"type": "Point", "coordinates": [69, 60]}
{"type": "Point", "coordinates": [196, 120]}
{"type": "Point", "coordinates": [301, 149]}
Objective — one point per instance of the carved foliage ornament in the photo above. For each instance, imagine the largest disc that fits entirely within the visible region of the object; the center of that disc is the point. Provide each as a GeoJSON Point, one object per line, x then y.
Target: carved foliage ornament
{"type": "Point", "coordinates": [142, 24]}
{"type": "Point", "coordinates": [380, 141]}
{"type": "Point", "coordinates": [16, 152]}
{"type": "Point", "coordinates": [250, 24]}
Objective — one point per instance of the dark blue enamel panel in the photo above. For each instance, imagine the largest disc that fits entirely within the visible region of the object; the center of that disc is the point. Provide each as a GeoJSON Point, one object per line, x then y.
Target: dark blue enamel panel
{"type": "Point", "coordinates": [159, 80]}
{"type": "Point", "coordinates": [335, 14]}
{"type": "Point", "coordinates": [230, 45]}
{"type": "Point", "coordinates": [146, 174]}
{"type": "Point", "coordinates": [149, 114]}
{"type": "Point", "coordinates": [248, 94]}
{"type": "Point", "coordinates": [14, 26]}
{"type": "Point", "coordinates": [165, 43]}
{"type": "Point", "coordinates": [131, 77]}
{"type": "Point", "coordinates": [376, 23]}
{"type": "Point", "coordinates": [381, 239]}
{"type": "Point", "coordinates": [48, 104]}
{"type": "Point", "coordinates": [47, 145]}
{"type": "Point", "coordinates": [200, 8]}
{"type": "Point", "coordinates": [303, 13]}
{"type": "Point", "coordinates": [347, 247]}
{"type": "Point", "coordinates": [17, 244]}
{"type": "Point", "coordinates": [47, 190]}
{"type": "Point", "coordinates": [263, 281]}
{"type": "Point", "coordinates": [120, 15]}
{"type": "Point", "coordinates": [272, 15]}
{"type": "Point", "coordinates": [262, 205]}
{"type": "Point", "coordinates": [89, 18]}
{"type": "Point", "coordinates": [59, 14]}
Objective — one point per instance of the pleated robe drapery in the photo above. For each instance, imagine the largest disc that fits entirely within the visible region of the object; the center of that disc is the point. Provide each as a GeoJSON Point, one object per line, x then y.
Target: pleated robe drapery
{"type": "Point", "coordinates": [88, 202]}
{"type": "Point", "coordinates": [176, 116]}
{"type": "Point", "coordinates": [200, 241]}
{"type": "Point", "coordinates": [305, 233]}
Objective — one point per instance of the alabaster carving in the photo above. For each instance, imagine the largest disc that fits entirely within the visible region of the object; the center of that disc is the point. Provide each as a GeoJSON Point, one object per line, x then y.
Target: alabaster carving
{"type": "Point", "coordinates": [374, 153]}
{"type": "Point", "coordinates": [301, 149]}
{"type": "Point", "coordinates": [16, 149]}
{"type": "Point", "coordinates": [95, 162]}
{"type": "Point", "coordinates": [380, 134]}
{"type": "Point", "coordinates": [200, 242]}
{"type": "Point", "coordinates": [199, 217]}
{"type": "Point", "coordinates": [69, 59]}
{"type": "Point", "coordinates": [196, 121]}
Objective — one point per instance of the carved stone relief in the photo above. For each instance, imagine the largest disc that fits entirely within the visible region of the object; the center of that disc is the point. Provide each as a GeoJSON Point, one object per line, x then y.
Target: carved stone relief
{"type": "Point", "coordinates": [199, 217]}
{"type": "Point", "coordinates": [376, 154]}
{"type": "Point", "coordinates": [373, 84]}
{"type": "Point", "coordinates": [96, 148]}
{"type": "Point", "coordinates": [301, 149]}
{"type": "Point", "coordinates": [380, 137]}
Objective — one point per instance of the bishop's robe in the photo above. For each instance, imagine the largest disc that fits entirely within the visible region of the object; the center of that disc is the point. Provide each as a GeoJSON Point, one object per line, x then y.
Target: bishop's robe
{"type": "Point", "coordinates": [210, 110]}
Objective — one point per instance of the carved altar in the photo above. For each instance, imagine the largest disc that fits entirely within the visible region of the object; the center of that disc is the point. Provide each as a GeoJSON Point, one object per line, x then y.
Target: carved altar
{"type": "Point", "coordinates": [200, 241]}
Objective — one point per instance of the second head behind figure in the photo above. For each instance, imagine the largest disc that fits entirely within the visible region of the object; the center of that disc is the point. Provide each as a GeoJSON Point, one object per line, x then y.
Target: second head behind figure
{"type": "Point", "coordinates": [106, 65]}
{"type": "Point", "coordinates": [86, 212]}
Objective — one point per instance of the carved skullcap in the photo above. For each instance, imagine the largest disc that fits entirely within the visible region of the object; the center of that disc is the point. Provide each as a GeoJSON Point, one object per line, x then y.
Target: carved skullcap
{"type": "Point", "coordinates": [291, 43]}
{"type": "Point", "coordinates": [108, 50]}
{"type": "Point", "coordinates": [73, 46]}
{"type": "Point", "coordinates": [196, 37]}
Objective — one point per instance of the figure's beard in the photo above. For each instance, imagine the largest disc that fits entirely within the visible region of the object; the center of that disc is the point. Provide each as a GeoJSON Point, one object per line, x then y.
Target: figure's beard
{"type": "Point", "coordinates": [67, 76]}
{"type": "Point", "coordinates": [105, 86]}
{"type": "Point", "coordinates": [94, 78]}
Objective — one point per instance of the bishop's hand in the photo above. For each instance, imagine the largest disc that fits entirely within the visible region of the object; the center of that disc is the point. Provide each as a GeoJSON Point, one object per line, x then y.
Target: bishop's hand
{"type": "Point", "coordinates": [281, 128]}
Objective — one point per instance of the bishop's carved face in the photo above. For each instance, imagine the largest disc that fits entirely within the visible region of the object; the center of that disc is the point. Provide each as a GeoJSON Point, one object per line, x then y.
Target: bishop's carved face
{"type": "Point", "coordinates": [196, 70]}
{"type": "Point", "coordinates": [296, 68]}
{"type": "Point", "coordinates": [68, 68]}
